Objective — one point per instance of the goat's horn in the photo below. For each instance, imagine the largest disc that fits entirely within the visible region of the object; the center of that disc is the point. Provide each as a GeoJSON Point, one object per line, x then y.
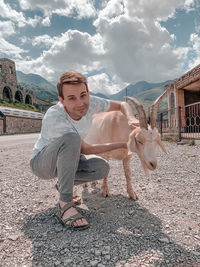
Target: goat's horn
{"type": "Point", "coordinates": [154, 109]}
{"type": "Point", "coordinates": [140, 110]}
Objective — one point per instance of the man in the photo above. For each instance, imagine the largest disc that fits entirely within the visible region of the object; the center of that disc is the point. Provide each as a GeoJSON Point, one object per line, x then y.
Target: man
{"type": "Point", "coordinates": [61, 151]}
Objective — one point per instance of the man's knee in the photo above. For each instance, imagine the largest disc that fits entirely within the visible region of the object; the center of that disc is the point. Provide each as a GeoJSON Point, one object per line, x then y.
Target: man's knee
{"type": "Point", "coordinates": [103, 169]}
{"type": "Point", "coordinates": [71, 139]}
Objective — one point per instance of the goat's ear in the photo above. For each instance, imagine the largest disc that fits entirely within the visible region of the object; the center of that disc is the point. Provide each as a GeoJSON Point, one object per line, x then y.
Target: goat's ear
{"type": "Point", "coordinates": [131, 144]}
{"type": "Point", "coordinates": [160, 143]}
{"type": "Point", "coordinates": [146, 171]}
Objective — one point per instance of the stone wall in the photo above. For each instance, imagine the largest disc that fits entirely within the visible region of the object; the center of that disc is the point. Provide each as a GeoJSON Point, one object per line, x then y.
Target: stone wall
{"type": "Point", "coordinates": [1, 125]}
{"type": "Point", "coordinates": [20, 125]}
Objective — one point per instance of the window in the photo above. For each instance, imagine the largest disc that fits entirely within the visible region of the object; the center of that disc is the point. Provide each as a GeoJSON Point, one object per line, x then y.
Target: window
{"type": "Point", "coordinates": [10, 70]}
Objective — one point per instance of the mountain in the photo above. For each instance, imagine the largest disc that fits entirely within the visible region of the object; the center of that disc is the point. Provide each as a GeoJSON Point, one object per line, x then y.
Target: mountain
{"type": "Point", "coordinates": [35, 79]}
{"type": "Point", "coordinates": [43, 89]}
{"type": "Point", "coordinates": [138, 88]}
{"type": "Point", "coordinates": [145, 92]}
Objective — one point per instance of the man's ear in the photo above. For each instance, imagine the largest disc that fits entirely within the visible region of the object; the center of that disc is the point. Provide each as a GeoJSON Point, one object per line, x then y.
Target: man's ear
{"type": "Point", "coordinates": [60, 99]}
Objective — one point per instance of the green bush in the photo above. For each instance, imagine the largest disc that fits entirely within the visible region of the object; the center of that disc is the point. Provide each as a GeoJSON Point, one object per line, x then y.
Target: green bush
{"type": "Point", "coordinates": [191, 143]}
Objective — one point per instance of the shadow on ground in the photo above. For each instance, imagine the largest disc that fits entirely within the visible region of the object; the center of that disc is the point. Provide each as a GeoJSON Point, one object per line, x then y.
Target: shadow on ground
{"type": "Point", "coordinates": [121, 231]}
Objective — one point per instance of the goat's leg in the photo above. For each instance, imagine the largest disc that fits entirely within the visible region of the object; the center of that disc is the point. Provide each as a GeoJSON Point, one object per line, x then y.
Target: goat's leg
{"type": "Point", "coordinates": [127, 172]}
{"type": "Point", "coordinates": [104, 187]}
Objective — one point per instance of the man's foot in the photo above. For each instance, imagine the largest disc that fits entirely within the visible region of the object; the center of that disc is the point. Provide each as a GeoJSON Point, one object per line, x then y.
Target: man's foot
{"type": "Point", "coordinates": [76, 199]}
{"type": "Point", "coordinates": [70, 217]}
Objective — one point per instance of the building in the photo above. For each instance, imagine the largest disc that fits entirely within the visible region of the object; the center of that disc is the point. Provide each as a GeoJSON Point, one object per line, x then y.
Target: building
{"type": "Point", "coordinates": [9, 88]}
{"type": "Point", "coordinates": [184, 101]}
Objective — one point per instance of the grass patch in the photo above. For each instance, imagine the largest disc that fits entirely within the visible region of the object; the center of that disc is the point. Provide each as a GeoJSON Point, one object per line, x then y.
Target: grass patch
{"type": "Point", "coordinates": [170, 138]}
{"type": "Point", "coordinates": [18, 105]}
{"type": "Point", "coordinates": [191, 142]}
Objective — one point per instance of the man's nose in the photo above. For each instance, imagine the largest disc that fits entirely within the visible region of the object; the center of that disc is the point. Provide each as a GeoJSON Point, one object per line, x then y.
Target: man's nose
{"type": "Point", "coordinates": [79, 102]}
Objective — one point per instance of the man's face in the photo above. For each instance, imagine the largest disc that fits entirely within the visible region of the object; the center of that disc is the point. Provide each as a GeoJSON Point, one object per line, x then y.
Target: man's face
{"type": "Point", "coordinates": [76, 100]}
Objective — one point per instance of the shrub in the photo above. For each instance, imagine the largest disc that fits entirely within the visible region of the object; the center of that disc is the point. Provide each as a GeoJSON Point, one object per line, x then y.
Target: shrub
{"type": "Point", "coordinates": [191, 143]}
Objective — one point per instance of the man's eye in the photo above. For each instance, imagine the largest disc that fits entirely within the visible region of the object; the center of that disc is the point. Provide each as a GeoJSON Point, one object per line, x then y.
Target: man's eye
{"type": "Point", "coordinates": [71, 98]}
{"type": "Point", "coordinates": [83, 95]}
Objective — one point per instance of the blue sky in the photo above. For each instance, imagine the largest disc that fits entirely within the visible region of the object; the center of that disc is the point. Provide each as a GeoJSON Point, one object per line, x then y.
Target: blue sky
{"type": "Point", "coordinates": [112, 42]}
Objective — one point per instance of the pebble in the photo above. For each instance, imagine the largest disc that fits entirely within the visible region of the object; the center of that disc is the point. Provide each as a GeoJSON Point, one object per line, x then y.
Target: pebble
{"type": "Point", "coordinates": [164, 239]}
{"type": "Point", "coordinates": [94, 263]}
{"type": "Point", "coordinates": [126, 233]}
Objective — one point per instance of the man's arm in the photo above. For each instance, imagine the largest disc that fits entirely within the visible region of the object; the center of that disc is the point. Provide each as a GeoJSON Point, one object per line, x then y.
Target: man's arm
{"type": "Point", "coordinates": [100, 148]}
{"type": "Point", "coordinates": [126, 110]}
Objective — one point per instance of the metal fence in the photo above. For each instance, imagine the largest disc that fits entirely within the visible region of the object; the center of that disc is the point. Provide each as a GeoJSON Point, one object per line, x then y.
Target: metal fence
{"type": "Point", "coordinates": [185, 121]}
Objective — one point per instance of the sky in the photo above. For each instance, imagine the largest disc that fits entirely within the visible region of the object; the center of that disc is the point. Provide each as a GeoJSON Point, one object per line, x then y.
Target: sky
{"type": "Point", "coordinates": [112, 42]}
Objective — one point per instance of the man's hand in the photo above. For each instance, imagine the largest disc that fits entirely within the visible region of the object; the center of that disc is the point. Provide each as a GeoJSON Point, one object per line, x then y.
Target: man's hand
{"type": "Point", "coordinates": [100, 148]}
{"type": "Point", "coordinates": [133, 122]}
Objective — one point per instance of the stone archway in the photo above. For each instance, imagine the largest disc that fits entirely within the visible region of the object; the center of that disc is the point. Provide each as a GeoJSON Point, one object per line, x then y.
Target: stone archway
{"type": "Point", "coordinates": [18, 97]}
{"type": "Point", "coordinates": [28, 99]}
{"type": "Point", "coordinates": [7, 93]}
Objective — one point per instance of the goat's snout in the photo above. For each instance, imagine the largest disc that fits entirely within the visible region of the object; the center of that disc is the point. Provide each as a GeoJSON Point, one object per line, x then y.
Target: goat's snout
{"type": "Point", "coordinates": [153, 165]}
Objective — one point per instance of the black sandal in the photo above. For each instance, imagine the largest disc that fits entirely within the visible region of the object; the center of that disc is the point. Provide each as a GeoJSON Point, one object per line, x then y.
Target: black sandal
{"type": "Point", "coordinates": [71, 219]}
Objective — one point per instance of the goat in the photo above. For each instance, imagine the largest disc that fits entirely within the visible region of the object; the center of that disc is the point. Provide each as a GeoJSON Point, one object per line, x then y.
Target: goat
{"type": "Point", "coordinates": [108, 127]}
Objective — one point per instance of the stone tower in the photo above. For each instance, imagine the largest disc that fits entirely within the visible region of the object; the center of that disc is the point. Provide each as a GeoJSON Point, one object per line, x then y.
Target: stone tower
{"type": "Point", "coordinates": [9, 89]}
{"type": "Point", "coordinates": [8, 79]}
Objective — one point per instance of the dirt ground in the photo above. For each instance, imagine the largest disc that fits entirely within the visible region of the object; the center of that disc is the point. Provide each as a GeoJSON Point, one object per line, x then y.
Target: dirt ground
{"type": "Point", "coordinates": [162, 228]}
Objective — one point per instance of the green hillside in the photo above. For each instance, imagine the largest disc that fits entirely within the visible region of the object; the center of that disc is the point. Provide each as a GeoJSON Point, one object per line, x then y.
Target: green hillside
{"type": "Point", "coordinates": [41, 93]}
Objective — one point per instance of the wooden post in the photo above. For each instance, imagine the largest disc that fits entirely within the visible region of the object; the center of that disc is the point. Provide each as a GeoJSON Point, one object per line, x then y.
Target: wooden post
{"type": "Point", "coordinates": [179, 123]}
{"type": "Point", "coordinates": [161, 123]}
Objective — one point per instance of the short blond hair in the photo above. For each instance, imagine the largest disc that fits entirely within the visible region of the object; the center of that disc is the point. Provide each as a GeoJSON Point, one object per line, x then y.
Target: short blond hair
{"type": "Point", "coordinates": [70, 77]}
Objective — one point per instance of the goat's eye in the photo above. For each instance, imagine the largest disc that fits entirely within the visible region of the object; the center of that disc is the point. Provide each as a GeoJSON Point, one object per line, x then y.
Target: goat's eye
{"type": "Point", "coordinates": [140, 142]}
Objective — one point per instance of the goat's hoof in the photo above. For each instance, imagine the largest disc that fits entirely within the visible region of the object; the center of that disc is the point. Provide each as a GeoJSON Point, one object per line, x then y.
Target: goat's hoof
{"type": "Point", "coordinates": [105, 193]}
{"type": "Point", "coordinates": [85, 185]}
{"type": "Point", "coordinates": [95, 182]}
{"type": "Point", "coordinates": [133, 196]}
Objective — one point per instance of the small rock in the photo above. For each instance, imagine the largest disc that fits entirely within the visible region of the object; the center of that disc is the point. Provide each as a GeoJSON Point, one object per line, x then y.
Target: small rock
{"type": "Point", "coordinates": [67, 262]}
{"type": "Point", "coordinates": [13, 237]}
{"type": "Point", "coordinates": [164, 239]}
{"type": "Point", "coordinates": [107, 257]}
{"type": "Point", "coordinates": [94, 263]}
{"type": "Point", "coordinates": [131, 212]}
{"type": "Point", "coordinates": [97, 252]}
{"type": "Point", "coordinates": [196, 253]}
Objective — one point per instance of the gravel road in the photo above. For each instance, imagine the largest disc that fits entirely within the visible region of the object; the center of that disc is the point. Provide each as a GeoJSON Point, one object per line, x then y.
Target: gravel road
{"type": "Point", "coordinates": [162, 228]}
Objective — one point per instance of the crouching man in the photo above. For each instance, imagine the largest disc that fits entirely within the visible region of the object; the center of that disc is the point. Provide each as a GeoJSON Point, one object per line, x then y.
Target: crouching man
{"type": "Point", "coordinates": [61, 151]}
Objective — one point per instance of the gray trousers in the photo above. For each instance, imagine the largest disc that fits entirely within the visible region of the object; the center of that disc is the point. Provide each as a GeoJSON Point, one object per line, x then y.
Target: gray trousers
{"type": "Point", "coordinates": [62, 159]}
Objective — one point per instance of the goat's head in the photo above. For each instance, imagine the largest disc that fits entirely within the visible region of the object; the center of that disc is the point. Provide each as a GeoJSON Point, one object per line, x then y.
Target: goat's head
{"type": "Point", "coordinates": [144, 139]}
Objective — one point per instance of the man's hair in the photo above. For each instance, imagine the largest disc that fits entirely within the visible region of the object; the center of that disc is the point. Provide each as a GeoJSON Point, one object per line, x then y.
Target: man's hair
{"type": "Point", "coordinates": [70, 77]}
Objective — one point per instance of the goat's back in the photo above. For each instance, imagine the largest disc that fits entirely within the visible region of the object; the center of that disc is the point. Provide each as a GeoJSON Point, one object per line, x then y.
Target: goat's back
{"type": "Point", "coordinates": [109, 127]}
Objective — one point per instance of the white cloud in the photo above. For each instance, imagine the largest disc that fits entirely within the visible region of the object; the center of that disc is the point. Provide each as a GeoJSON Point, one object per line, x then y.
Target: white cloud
{"type": "Point", "coordinates": [7, 28]}
{"type": "Point", "coordinates": [153, 9]}
{"type": "Point", "coordinates": [10, 50]}
{"type": "Point", "coordinates": [46, 21]}
{"type": "Point", "coordinates": [137, 47]}
{"type": "Point", "coordinates": [71, 50]}
{"type": "Point", "coordinates": [18, 17]}
{"type": "Point", "coordinates": [43, 40]}
{"type": "Point", "coordinates": [83, 9]}
{"type": "Point", "coordinates": [101, 83]}
{"type": "Point", "coordinates": [195, 43]}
